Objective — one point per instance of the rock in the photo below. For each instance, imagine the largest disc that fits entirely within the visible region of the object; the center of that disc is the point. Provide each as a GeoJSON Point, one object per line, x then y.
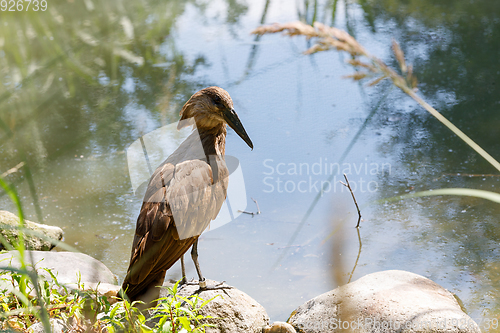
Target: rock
{"type": "Point", "coordinates": [234, 311]}
{"type": "Point", "coordinates": [104, 289]}
{"type": "Point", "coordinates": [279, 327]}
{"type": "Point", "coordinates": [8, 223]}
{"type": "Point", "coordinates": [56, 325]}
{"type": "Point", "coordinates": [388, 301]}
{"type": "Point", "coordinates": [66, 266]}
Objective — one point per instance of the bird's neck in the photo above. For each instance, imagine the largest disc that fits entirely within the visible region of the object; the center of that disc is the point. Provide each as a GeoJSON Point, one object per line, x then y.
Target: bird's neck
{"type": "Point", "coordinates": [213, 139]}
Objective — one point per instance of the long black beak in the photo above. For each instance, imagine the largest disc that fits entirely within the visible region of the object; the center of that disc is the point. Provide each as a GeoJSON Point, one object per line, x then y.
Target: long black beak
{"type": "Point", "coordinates": [234, 122]}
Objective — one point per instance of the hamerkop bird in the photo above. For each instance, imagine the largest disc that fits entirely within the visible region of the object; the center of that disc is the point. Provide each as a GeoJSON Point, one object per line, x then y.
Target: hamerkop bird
{"type": "Point", "coordinates": [184, 194]}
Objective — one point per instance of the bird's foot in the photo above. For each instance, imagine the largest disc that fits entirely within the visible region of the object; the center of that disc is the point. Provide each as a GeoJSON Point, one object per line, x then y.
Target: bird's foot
{"type": "Point", "coordinates": [203, 285]}
{"type": "Point", "coordinates": [192, 282]}
{"type": "Point", "coordinates": [219, 286]}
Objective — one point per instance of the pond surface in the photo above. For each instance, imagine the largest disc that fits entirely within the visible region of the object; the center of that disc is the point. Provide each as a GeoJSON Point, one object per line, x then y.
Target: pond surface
{"type": "Point", "coordinates": [82, 81]}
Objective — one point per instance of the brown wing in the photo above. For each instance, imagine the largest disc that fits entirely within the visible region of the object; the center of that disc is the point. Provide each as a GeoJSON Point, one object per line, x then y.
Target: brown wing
{"type": "Point", "coordinates": [179, 204]}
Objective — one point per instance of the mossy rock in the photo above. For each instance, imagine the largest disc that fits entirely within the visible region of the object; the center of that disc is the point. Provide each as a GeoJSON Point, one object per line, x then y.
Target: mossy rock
{"type": "Point", "coordinates": [38, 237]}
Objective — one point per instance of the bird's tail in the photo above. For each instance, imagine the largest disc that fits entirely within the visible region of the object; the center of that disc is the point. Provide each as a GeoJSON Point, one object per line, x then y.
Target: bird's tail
{"type": "Point", "coordinates": [146, 292]}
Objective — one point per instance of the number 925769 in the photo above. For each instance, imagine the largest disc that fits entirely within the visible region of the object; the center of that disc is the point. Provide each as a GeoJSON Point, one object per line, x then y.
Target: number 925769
{"type": "Point", "coordinates": [23, 5]}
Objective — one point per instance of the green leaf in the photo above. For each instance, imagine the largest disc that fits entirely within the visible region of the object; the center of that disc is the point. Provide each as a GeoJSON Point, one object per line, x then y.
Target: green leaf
{"type": "Point", "coordinates": [185, 323]}
{"type": "Point", "coordinates": [209, 300]}
{"type": "Point", "coordinates": [112, 313]}
{"type": "Point", "coordinates": [187, 300]}
{"type": "Point", "coordinates": [145, 328]}
{"type": "Point", "coordinates": [162, 321]}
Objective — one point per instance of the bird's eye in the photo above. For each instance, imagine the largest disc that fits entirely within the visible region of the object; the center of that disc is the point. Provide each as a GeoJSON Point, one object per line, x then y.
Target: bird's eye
{"type": "Point", "coordinates": [217, 100]}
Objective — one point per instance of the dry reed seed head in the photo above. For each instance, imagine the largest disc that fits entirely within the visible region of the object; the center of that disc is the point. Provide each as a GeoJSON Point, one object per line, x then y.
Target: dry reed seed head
{"type": "Point", "coordinates": [325, 44]}
{"type": "Point", "coordinates": [329, 41]}
{"type": "Point", "coordinates": [342, 36]}
{"type": "Point", "coordinates": [324, 29]}
{"type": "Point", "coordinates": [412, 79]}
{"type": "Point", "coordinates": [377, 80]}
{"type": "Point", "coordinates": [399, 82]}
{"type": "Point", "coordinates": [300, 28]}
{"type": "Point", "coordinates": [410, 70]}
{"type": "Point", "coordinates": [331, 31]}
{"type": "Point", "coordinates": [383, 68]}
{"type": "Point", "coordinates": [359, 63]}
{"type": "Point", "coordinates": [316, 48]}
{"type": "Point", "coordinates": [337, 38]}
{"type": "Point", "coordinates": [400, 56]}
{"type": "Point", "coordinates": [414, 83]}
{"type": "Point", "coordinates": [267, 29]}
{"type": "Point", "coordinates": [291, 29]}
{"type": "Point", "coordinates": [330, 37]}
{"type": "Point", "coordinates": [357, 76]}
{"type": "Point", "coordinates": [263, 29]}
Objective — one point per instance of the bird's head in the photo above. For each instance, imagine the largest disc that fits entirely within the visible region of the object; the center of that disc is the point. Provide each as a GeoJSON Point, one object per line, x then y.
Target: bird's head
{"type": "Point", "coordinates": [213, 107]}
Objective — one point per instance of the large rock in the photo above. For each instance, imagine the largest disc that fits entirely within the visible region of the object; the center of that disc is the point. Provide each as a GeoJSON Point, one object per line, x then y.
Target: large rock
{"type": "Point", "coordinates": [234, 311]}
{"type": "Point", "coordinates": [9, 222]}
{"type": "Point", "coordinates": [388, 301]}
{"type": "Point", "coordinates": [66, 266]}
{"type": "Point", "coordinates": [279, 327]}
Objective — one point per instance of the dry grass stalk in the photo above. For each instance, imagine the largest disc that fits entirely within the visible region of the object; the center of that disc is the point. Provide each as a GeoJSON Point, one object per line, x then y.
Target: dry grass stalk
{"type": "Point", "coordinates": [333, 38]}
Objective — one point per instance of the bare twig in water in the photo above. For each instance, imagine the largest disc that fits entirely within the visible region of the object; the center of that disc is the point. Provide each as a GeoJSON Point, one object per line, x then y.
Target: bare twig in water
{"type": "Point", "coordinates": [357, 258]}
{"type": "Point", "coordinates": [12, 170]}
{"type": "Point", "coordinates": [252, 213]}
{"type": "Point", "coordinates": [353, 198]}
{"type": "Point", "coordinates": [256, 204]}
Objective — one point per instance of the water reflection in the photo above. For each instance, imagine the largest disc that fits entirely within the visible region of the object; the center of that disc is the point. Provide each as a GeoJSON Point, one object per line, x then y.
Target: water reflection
{"type": "Point", "coordinates": [75, 68]}
{"type": "Point", "coordinates": [80, 84]}
{"type": "Point", "coordinates": [453, 47]}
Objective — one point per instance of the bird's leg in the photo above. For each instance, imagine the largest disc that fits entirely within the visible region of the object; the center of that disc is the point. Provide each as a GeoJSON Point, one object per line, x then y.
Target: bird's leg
{"type": "Point", "coordinates": [194, 256]}
{"type": "Point", "coordinates": [202, 281]}
{"type": "Point", "coordinates": [183, 270]}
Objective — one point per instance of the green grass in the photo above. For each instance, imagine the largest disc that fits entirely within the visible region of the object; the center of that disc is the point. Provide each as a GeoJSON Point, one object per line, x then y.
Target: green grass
{"type": "Point", "coordinates": [27, 297]}
{"type": "Point", "coordinates": [88, 311]}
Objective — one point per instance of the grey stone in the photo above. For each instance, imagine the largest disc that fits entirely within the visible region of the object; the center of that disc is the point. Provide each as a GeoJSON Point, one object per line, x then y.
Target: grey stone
{"type": "Point", "coordinates": [234, 311]}
{"type": "Point", "coordinates": [66, 266]}
{"type": "Point", "coordinates": [279, 327]}
{"type": "Point", "coordinates": [388, 301]}
{"type": "Point", "coordinates": [9, 222]}
{"type": "Point", "coordinates": [56, 325]}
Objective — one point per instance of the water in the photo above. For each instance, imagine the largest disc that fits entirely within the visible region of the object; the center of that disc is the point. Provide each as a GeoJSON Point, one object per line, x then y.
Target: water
{"type": "Point", "coordinates": [78, 89]}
